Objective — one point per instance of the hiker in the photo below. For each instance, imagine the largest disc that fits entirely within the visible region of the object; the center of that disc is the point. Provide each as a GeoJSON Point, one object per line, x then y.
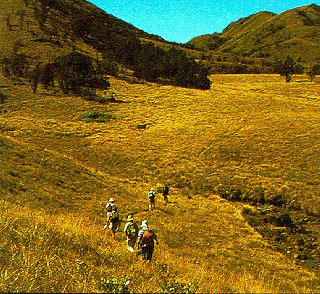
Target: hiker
{"type": "Point", "coordinates": [152, 201]}
{"type": "Point", "coordinates": [131, 230]}
{"type": "Point", "coordinates": [110, 206]}
{"type": "Point", "coordinates": [146, 238]}
{"type": "Point", "coordinates": [113, 222]}
{"type": "Point", "coordinates": [113, 219]}
{"type": "Point", "coordinates": [165, 193]}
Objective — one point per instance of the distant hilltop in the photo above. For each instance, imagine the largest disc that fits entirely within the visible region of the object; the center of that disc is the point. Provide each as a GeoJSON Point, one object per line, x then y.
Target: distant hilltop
{"type": "Point", "coordinates": [295, 32]}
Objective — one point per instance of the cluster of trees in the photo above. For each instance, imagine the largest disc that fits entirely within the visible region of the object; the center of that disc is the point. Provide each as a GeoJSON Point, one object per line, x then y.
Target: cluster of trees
{"type": "Point", "coordinates": [121, 44]}
{"type": "Point", "coordinates": [74, 72]}
{"type": "Point", "coordinates": [287, 67]}
{"type": "Point", "coordinates": [174, 66]}
{"type": "Point", "coordinates": [314, 71]}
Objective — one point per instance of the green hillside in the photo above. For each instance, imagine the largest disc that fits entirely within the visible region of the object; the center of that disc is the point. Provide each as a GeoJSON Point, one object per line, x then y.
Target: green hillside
{"type": "Point", "coordinates": [266, 35]}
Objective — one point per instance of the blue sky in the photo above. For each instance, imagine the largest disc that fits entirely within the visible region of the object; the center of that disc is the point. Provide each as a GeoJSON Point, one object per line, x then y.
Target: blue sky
{"type": "Point", "coordinates": [181, 20]}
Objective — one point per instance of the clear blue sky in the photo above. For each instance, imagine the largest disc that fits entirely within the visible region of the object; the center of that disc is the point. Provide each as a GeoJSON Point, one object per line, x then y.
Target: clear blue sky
{"type": "Point", "coordinates": [181, 20]}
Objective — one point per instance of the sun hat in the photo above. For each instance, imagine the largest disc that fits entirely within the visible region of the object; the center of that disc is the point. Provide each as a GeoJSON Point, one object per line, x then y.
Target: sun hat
{"type": "Point", "coordinates": [151, 189]}
{"type": "Point", "coordinates": [144, 224]}
{"type": "Point", "coordinates": [111, 200]}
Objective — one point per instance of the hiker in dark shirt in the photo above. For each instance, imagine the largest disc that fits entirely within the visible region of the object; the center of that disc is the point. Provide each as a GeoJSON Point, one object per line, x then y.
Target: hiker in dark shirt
{"type": "Point", "coordinates": [165, 193]}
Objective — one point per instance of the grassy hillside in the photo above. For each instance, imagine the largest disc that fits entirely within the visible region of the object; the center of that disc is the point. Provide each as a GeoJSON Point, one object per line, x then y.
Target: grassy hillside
{"type": "Point", "coordinates": [266, 35]}
{"type": "Point", "coordinates": [58, 171]}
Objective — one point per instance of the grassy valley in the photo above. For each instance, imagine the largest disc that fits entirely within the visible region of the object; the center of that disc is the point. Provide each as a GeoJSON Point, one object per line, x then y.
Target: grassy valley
{"type": "Point", "coordinates": [241, 160]}
{"type": "Point", "coordinates": [58, 171]}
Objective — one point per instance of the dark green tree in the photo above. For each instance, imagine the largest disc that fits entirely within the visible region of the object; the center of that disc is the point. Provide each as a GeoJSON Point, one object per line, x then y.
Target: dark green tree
{"type": "Point", "coordinates": [287, 67]}
{"type": "Point", "coordinates": [314, 71]}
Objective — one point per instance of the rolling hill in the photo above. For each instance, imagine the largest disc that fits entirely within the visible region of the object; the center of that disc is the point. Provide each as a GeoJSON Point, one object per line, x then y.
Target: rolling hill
{"type": "Point", "coordinates": [266, 35]}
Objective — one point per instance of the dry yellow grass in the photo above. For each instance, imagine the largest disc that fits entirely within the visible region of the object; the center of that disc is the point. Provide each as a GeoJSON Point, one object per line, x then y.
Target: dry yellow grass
{"type": "Point", "coordinates": [58, 172]}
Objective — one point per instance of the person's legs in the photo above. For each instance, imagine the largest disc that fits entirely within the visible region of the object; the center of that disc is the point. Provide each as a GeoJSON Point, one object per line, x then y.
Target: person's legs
{"type": "Point", "coordinates": [144, 253]}
{"type": "Point", "coordinates": [149, 253]}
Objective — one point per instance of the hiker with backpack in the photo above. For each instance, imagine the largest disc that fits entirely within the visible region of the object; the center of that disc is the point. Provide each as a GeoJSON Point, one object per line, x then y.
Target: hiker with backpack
{"type": "Point", "coordinates": [113, 219]}
{"type": "Point", "coordinates": [113, 222]}
{"type": "Point", "coordinates": [131, 230]}
{"type": "Point", "coordinates": [111, 207]}
{"type": "Point", "coordinates": [152, 200]}
{"type": "Point", "coordinates": [165, 193]}
{"type": "Point", "coordinates": [146, 238]}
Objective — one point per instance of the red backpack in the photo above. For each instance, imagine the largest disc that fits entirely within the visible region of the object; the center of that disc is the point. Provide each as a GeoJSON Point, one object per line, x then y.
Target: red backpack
{"type": "Point", "coordinates": [147, 237]}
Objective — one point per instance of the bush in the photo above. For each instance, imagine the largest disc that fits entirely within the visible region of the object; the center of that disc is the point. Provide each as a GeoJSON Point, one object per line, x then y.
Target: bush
{"type": "Point", "coordinates": [248, 210]}
{"type": "Point", "coordinates": [3, 97]}
{"type": "Point", "coordinates": [114, 285]}
{"type": "Point", "coordinates": [178, 287]}
{"type": "Point", "coordinates": [96, 116]}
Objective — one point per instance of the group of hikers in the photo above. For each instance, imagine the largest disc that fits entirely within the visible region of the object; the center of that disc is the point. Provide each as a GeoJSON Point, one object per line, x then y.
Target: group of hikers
{"type": "Point", "coordinates": [145, 237]}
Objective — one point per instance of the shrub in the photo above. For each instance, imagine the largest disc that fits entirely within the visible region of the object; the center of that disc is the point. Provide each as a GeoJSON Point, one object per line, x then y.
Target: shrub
{"type": "Point", "coordinates": [3, 97]}
{"type": "Point", "coordinates": [222, 191]}
{"type": "Point", "coordinates": [95, 116]}
{"type": "Point", "coordinates": [114, 285]}
{"type": "Point", "coordinates": [247, 210]}
{"type": "Point", "coordinates": [178, 287]}
{"type": "Point", "coordinates": [314, 70]}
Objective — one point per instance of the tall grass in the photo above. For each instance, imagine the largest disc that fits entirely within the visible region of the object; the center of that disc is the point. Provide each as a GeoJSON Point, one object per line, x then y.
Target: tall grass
{"type": "Point", "coordinates": [57, 173]}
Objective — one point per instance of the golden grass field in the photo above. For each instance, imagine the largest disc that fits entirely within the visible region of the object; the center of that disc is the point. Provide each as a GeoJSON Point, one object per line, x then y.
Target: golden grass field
{"type": "Point", "coordinates": [57, 173]}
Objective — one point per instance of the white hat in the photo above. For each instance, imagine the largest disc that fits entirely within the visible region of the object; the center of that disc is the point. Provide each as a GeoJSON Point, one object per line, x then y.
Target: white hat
{"type": "Point", "coordinates": [111, 200]}
{"type": "Point", "coordinates": [144, 224]}
{"type": "Point", "coordinates": [151, 189]}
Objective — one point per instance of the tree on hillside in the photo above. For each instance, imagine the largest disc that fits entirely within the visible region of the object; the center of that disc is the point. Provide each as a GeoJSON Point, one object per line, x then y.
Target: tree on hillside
{"type": "Point", "coordinates": [172, 65]}
{"type": "Point", "coordinates": [287, 68]}
{"type": "Point", "coordinates": [74, 72]}
{"type": "Point", "coordinates": [314, 71]}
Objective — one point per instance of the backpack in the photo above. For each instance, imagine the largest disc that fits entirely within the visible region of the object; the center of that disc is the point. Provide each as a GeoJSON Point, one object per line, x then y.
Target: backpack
{"type": "Point", "coordinates": [165, 190]}
{"type": "Point", "coordinates": [147, 237]}
{"type": "Point", "coordinates": [114, 217]}
{"type": "Point", "coordinates": [132, 230]}
{"type": "Point", "coordinates": [111, 207]}
{"type": "Point", "coordinates": [151, 194]}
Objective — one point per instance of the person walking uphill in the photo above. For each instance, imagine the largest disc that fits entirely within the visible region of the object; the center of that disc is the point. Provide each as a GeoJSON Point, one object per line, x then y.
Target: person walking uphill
{"type": "Point", "coordinates": [152, 199]}
{"type": "Point", "coordinates": [111, 207]}
{"type": "Point", "coordinates": [146, 238]}
{"type": "Point", "coordinates": [165, 193]}
{"type": "Point", "coordinates": [131, 230]}
{"type": "Point", "coordinates": [113, 219]}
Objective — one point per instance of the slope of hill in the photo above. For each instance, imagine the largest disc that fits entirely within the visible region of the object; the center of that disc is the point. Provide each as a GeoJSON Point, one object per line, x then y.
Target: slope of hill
{"type": "Point", "coordinates": [47, 31]}
{"type": "Point", "coordinates": [42, 31]}
{"type": "Point", "coordinates": [58, 171]}
{"type": "Point", "coordinates": [294, 32]}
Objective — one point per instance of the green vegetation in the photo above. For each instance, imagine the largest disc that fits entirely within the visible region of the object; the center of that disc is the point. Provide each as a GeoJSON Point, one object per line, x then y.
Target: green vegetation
{"type": "Point", "coordinates": [114, 42]}
{"type": "Point", "coordinates": [314, 71]}
{"type": "Point", "coordinates": [263, 37]}
{"type": "Point", "coordinates": [96, 116]}
{"type": "Point", "coordinates": [287, 68]}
